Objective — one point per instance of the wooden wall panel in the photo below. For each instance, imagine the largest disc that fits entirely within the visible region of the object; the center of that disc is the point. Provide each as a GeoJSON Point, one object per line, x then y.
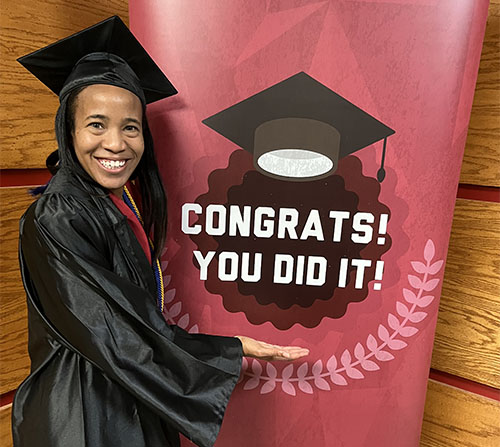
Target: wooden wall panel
{"type": "Point", "coordinates": [14, 366]}
{"type": "Point", "coordinates": [467, 342]}
{"type": "Point", "coordinates": [457, 418]}
{"type": "Point", "coordinates": [5, 430]}
{"type": "Point", "coordinates": [27, 106]}
{"type": "Point", "coordinates": [481, 165]}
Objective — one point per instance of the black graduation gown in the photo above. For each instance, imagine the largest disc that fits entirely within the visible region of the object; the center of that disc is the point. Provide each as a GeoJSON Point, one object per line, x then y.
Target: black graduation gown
{"type": "Point", "coordinates": [107, 370]}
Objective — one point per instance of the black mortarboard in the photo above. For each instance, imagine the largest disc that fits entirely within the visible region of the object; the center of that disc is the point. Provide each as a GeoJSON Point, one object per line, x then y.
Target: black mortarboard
{"type": "Point", "coordinates": [105, 53]}
{"type": "Point", "coordinates": [298, 129]}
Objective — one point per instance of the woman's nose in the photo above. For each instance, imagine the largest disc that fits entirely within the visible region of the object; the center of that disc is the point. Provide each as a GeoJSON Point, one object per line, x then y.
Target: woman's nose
{"type": "Point", "coordinates": [114, 141]}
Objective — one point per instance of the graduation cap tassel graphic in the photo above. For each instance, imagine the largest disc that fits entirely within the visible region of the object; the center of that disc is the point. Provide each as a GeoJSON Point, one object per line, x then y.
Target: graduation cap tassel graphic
{"type": "Point", "coordinates": [381, 171]}
{"type": "Point", "coordinates": [299, 129]}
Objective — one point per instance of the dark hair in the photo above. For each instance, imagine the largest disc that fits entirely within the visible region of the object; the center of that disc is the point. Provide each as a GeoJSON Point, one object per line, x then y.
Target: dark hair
{"type": "Point", "coordinates": [153, 197]}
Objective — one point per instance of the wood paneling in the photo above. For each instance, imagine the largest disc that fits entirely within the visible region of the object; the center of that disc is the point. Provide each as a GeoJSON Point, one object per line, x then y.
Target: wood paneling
{"type": "Point", "coordinates": [457, 418]}
{"type": "Point", "coordinates": [467, 342]}
{"type": "Point", "coordinates": [14, 366]}
{"type": "Point", "coordinates": [481, 165]}
{"type": "Point", "coordinates": [5, 430]}
{"type": "Point", "coordinates": [27, 106]}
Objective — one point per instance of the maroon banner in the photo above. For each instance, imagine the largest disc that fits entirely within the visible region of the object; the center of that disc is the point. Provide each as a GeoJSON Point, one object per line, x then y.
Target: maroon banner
{"type": "Point", "coordinates": [311, 160]}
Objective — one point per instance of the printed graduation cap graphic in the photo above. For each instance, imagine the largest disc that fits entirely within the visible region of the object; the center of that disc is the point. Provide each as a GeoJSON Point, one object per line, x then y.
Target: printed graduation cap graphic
{"type": "Point", "coordinates": [298, 129]}
{"type": "Point", "coordinates": [56, 64]}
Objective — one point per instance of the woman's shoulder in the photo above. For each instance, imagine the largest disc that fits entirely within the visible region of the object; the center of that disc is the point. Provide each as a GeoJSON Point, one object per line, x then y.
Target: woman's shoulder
{"type": "Point", "coordinates": [67, 202]}
{"type": "Point", "coordinates": [66, 183]}
{"type": "Point", "coordinates": [67, 221]}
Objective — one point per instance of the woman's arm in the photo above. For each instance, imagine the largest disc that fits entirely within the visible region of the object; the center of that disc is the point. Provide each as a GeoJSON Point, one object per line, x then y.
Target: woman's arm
{"type": "Point", "coordinates": [105, 318]}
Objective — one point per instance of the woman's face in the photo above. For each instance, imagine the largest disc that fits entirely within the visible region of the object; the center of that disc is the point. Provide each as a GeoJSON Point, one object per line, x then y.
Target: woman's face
{"type": "Point", "coordinates": [107, 135]}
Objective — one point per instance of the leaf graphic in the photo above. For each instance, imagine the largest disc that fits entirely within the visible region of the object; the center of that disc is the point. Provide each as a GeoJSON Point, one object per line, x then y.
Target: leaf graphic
{"type": "Point", "coordinates": [346, 358]}
{"type": "Point", "coordinates": [269, 386]}
{"type": "Point", "coordinates": [244, 364]}
{"type": "Point", "coordinates": [302, 370]}
{"type": "Point", "coordinates": [419, 267]}
{"type": "Point", "coordinates": [175, 310]}
{"type": "Point", "coordinates": [317, 368]}
{"type": "Point", "coordinates": [166, 280]}
{"type": "Point", "coordinates": [408, 331]}
{"type": "Point", "coordinates": [431, 284]}
{"type": "Point", "coordinates": [383, 333]}
{"type": "Point", "coordinates": [369, 365]}
{"type": "Point", "coordinates": [372, 343]}
{"type": "Point", "coordinates": [288, 388]}
{"type": "Point", "coordinates": [410, 297]}
{"type": "Point", "coordinates": [271, 371]}
{"type": "Point", "coordinates": [164, 265]}
{"type": "Point", "coordinates": [183, 321]}
{"type": "Point", "coordinates": [429, 251]}
{"type": "Point", "coordinates": [331, 365]}
{"type": "Point", "coordinates": [256, 368]}
{"type": "Point", "coordinates": [402, 309]}
{"type": "Point", "coordinates": [396, 344]}
{"type": "Point", "coordinates": [425, 301]}
{"type": "Point", "coordinates": [194, 329]}
{"type": "Point", "coordinates": [416, 317]}
{"type": "Point", "coordinates": [337, 379]}
{"type": "Point", "coordinates": [434, 268]}
{"type": "Point", "coordinates": [415, 281]}
{"type": "Point", "coordinates": [321, 383]}
{"type": "Point", "coordinates": [359, 351]}
{"type": "Point", "coordinates": [383, 356]}
{"type": "Point", "coordinates": [252, 383]}
{"type": "Point", "coordinates": [393, 322]}
{"type": "Point", "coordinates": [305, 386]}
{"type": "Point", "coordinates": [169, 296]}
{"type": "Point", "coordinates": [287, 372]}
{"type": "Point", "coordinates": [353, 373]}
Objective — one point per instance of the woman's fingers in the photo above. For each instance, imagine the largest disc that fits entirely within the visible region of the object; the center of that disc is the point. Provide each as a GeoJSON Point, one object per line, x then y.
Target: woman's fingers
{"type": "Point", "coordinates": [292, 353]}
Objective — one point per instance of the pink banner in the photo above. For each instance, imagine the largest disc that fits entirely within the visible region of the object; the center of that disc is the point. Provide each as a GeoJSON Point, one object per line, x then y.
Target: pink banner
{"type": "Point", "coordinates": [311, 160]}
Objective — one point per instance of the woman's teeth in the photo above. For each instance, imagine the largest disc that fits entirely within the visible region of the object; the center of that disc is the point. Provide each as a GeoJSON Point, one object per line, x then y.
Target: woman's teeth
{"type": "Point", "coordinates": [112, 164]}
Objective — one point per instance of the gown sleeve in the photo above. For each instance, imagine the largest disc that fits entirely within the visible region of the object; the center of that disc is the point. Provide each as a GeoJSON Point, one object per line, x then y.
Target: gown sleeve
{"type": "Point", "coordinates": [185, 378]}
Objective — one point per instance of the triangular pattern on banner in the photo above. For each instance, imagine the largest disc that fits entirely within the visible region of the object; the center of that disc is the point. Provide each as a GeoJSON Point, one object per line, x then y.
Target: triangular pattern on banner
{"type": "Point", "coordinates": [398, 2]}
{"type": "Point", "coordinates": [284, 5]}
{"type": "Point", "coordinates": [336, 65]}
{"type": "Point", "coordinates": [275, 25]}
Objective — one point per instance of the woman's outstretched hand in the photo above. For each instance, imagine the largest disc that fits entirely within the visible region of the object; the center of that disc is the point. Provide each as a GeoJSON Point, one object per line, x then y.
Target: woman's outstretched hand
{"type": "Point", "coordinates": [265, 351]}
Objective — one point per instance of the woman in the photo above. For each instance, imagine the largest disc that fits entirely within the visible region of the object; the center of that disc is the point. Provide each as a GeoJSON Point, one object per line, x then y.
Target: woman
{"type": "Point", "coordinates": [106, 368]}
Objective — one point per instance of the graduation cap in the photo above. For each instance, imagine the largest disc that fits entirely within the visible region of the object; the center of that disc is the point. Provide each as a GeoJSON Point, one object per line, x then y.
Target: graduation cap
{"type": "Point", "coordinates": [299, 129]}
{"type": "Point", "coordinates": [105, 53]}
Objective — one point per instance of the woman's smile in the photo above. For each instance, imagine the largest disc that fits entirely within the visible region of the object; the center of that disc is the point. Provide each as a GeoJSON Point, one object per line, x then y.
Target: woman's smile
{"type": "Point", "coordinates": [111, 165]}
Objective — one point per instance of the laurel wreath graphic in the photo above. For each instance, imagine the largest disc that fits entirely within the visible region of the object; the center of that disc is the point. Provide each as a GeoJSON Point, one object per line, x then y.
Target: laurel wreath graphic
{"type": "Point", "coordinates": [363, 358]}
{"type": "Point", "coordinates": [174, 314]}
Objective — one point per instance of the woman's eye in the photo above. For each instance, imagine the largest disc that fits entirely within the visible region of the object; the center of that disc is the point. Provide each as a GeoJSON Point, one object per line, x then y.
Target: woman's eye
{"type": "Point", "coordinates": [96, 125]}
{"type": "Point", "coordinates": [131, 128]}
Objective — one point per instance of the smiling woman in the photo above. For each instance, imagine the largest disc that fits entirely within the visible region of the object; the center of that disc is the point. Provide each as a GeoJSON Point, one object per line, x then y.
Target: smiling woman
{"type": "Point", "coordinates": [107, 134]}
{"type": "Point", "coordinates": [106, 368]}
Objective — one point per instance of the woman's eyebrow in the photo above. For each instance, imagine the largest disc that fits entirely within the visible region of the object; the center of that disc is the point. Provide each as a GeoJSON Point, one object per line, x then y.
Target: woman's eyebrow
{"type": "Point", "coordinates": [133, 120]}
{"type": "Point", "coordinates": [97, 116]}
